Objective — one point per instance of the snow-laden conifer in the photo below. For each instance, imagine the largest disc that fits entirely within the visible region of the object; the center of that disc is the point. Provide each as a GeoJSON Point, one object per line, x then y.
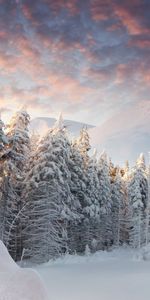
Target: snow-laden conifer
{"type": "Point", "coordinates": [19, 145]}
{"type": "Point", "coordinates": [117, 196]}
{"type": "Point", "coordinates": [105, 201]}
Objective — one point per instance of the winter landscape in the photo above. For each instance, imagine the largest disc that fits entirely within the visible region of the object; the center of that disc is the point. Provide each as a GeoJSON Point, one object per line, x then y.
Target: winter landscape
{"type": "Point", "coordinates": [74, 150]}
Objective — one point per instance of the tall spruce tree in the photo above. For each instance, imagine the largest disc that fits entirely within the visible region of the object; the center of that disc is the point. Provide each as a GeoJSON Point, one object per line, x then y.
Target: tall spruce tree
{"type": "Point", "coordinates": [136, 204]}
{"type": "Point", "coordinates": [19, 145]}
{"type": "Point", "coordinates": [93, 193]}
{"type": "Point", "coordinates": [105, 202]}
{"type": "Point", "coordinates": [117, 193]}
{"type": "Point", "coordinates": [138, 201]}
{"type": "Point", "coordinates": [3, 143]}
{"type": "Point", "coordinates": [49, 200]}
{"type": "Point", "coordinates": [88, 207]}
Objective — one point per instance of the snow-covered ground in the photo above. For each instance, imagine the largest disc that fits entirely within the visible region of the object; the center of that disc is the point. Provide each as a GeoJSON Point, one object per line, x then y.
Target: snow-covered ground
{"type": "Point", "coordinates": [118, 275]}
{"type": "Point", "coordinates": [121, 274]}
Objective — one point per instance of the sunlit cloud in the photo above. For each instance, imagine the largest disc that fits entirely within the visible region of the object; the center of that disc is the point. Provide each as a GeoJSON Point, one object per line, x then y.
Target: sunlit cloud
{"type": "Point", "coordinates": [89, 59]}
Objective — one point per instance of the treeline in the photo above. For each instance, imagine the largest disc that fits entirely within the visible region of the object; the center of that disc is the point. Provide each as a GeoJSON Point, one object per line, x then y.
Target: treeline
{"type": "Point", "coordinates": [56, 198]}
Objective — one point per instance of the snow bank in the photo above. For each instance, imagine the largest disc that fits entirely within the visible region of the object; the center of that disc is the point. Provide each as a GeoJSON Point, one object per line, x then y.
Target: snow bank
{"type": "Point", "coordinates": [17, 283]}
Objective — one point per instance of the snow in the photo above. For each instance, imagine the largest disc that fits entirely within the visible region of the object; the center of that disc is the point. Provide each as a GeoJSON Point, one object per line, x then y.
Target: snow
{"type": "Point", "coordinates": [42, 124]}
{"type": "Point", "coordinates": [17, 283]}
{"type": "Point", "coordinates": [120, 274]}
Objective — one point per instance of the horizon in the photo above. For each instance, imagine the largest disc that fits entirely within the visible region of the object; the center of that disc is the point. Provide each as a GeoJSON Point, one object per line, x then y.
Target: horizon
{"type": "Point", "coordinates": [89, 59]}
{"type": "Point", "coordinates": [42, 124]}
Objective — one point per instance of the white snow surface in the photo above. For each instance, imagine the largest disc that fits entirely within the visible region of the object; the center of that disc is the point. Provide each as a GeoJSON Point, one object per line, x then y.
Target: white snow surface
{"type": "Point", "coordinates": [122, 274]}
{"type": "Point", "coordinates": [17, 283]}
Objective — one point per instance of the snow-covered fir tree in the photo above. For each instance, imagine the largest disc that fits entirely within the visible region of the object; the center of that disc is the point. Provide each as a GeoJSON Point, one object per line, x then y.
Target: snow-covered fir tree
{"type": "Point", "coordinates": [41, 190]}
{"type": "Point", "coordinates": [19, 145]}
{"type": "Point", "coordinates": [138, 195]}
{"type": "Point", "coordinates": [105, 202]}
{"type": "Point", "coordinates": [84, 146]}
{"type": "Point", "coordinates": [3, 143]}
{"type": "Point", "coordinates": [136, 205]}
{"type": "Point", "coordinates": [117, 197]}
{"type": "Point", "coordinates": [93, 210]}
{"type": "Point", "coordinates": [8, 197]}
{"type": "Point", "coordinates": [89, 205]}
{"type": "Point", "coordinates": [49, 197]}
{"type": "Point", "coordinates": [142, 171]}
{"type": "Point", "coordinates": [77, 188]}
{"type": "Point", "coordinates": [55, 197]}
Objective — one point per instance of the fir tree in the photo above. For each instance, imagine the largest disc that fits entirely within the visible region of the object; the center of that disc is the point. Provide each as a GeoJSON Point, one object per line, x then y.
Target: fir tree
{"type": "Point", "coordinates": [50, 206]}
{"type": "Point", "coordinates": [105, 201]}
{"type": "Point", "coordinates": [136, 204]}
{"type": "Point", "coordinates": [19, 145]}
{"type": "Point", "coordinates": [117, 205]}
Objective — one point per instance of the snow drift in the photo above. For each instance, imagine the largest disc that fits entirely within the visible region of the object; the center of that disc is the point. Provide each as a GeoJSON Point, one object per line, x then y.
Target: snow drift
{"type": "Point", "coordinates": [17, 283]}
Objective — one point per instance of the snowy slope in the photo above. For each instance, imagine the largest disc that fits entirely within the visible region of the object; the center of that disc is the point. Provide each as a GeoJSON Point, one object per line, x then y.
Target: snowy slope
{"type": "Point", "coordinates": [42, 124]}
{"type": "Point", "coordinates": [117, 275]}
{"type": "Point", "coordinates": [17, 283]}
{"type": "Point", "coordinates": [125, 135]}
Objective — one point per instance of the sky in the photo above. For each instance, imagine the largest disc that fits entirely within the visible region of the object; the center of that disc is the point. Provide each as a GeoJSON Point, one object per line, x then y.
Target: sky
{"type": "Point", "coordinates": [89, 59]}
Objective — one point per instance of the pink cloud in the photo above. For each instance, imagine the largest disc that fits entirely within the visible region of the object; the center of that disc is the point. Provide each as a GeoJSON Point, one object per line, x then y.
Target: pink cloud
{"type": "Point", "coordinates": [140, 43]}
{"type": "Point", "coordinates": [100, 10]}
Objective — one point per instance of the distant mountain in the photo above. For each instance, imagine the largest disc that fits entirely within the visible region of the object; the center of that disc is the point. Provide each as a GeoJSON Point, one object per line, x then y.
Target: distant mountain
{"type": "Point", "coordinates": [125, 135]}
{"type": "Point", "coordinates": [42, 124]}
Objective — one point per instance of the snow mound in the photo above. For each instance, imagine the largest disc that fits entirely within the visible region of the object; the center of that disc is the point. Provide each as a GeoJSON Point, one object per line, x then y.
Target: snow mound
{"type": "Point", "coordinates": [17, 283]}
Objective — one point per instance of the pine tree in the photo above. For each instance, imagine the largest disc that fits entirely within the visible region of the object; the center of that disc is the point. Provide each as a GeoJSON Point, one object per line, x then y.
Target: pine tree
{"type": "Point", "coordinates": [117, 204]}
{"type": "Point", "coordinates": [136, 204]}
{"type": "Point", "coordinates": [125, 212]}
{"type": "Point", "coordinates": [105, 202]}
{"type": "Point", "coordinates": [93, 210]}
{"type": "Point", "coordinates": [84, 146]}
{"type": "Point", "coordinates": [77, 188]}
{"type": "Point", "coordinates": [19, 145]}
{"type": "Point", "coordinates": [90, 207]}
{"type": "Point", "coordinates": [50, 203]}
{"type": "Point", "coordinates": [138, 192]}
{"type": "Point", "coordinates": [3, 143]}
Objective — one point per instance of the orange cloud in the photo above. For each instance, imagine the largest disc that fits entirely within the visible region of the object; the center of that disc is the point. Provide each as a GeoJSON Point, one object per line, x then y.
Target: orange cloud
{"type": "Point", "coordinates": [140, 43]}
{"type": "Point", "coordinates": [137, 72]}
{"type": "Point", "coordinates": [7, 63]}
{"type": "Point", "coordinates": [129, 20]}
{"type": "Point", "coordinates": [121, 73]}
{"type": "Point", "coordinates": [53, 6]}
{"type": "Point", "coordinates": [100, 10]}
{"type": "Point", "coordinates": [130, 23]}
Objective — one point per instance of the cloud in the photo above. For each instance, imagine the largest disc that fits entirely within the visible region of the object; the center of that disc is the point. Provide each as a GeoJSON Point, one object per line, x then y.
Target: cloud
{"type": "Point", "coordinates": [89, 56]}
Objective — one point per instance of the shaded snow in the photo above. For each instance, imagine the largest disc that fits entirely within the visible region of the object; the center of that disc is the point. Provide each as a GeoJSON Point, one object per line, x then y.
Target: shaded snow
{"type": "Point", "coordinates": [17, 283]}
{"type": "Point", "coordinates": [120, 274]}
